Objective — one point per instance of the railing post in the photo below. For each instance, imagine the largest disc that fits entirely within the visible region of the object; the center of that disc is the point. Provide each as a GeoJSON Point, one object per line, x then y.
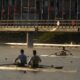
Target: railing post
{"type": "Point", "coordinates": [29, 39]}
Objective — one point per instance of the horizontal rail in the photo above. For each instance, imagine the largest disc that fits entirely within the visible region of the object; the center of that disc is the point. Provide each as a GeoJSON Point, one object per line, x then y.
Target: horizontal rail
{"type": "Point", "coordinates": [39, 22]}
{"type": "Point", "coordinates": [40, 28]}
{"type": "Point", "coordinates": [38, 25]}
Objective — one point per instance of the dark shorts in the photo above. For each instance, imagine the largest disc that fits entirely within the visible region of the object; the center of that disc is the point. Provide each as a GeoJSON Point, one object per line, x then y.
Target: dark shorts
{"type": "Point", "coordinates": [35, 66]}
{"type": "Point", "coordinates": [20, 64]}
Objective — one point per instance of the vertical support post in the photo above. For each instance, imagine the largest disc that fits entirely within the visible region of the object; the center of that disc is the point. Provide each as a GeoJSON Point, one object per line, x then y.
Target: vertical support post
{"type": "Point", "coordinates": [41, 7]}
{"type": "Point", "coordinates": [15, 6]}
{"type": "Point", "coordinates": [77, 9]}
{"type": "Point", "coordinates": [14, 11]}
{"type": "Point", "coordinates": [30, 39]}
{"type": "Point", "coordinates": [55, 8]}
{"type": "Point", "coordinates": [35, 11]}
{"type": "Point", "coordinates": [62, 9]}
{"type": "Point", "coordinates": [28, 10]}
{"type": "Point", "coordinates": [48, 8]}
{"type": "Point", "coordinates": [21, 9]}
{"type": "Point", "coordinates": [70, 10]}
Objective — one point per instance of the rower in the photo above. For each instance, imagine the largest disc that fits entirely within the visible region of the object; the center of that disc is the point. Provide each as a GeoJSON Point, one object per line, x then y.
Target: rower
{"type": "Point", "coordinates": [35, 60]}
{"type": "Point", "coordinates": [63, 52]}
{"type": "Point", "coordinates": [22, 58]}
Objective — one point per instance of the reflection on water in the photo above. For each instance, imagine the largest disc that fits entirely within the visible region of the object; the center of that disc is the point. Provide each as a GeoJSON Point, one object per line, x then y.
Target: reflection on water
{"type": "Point", "coordinates": [9, 53]}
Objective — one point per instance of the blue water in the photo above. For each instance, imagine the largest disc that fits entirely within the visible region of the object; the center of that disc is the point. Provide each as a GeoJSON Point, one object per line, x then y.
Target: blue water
{"type": "Point", "coordinates": [9, 53]}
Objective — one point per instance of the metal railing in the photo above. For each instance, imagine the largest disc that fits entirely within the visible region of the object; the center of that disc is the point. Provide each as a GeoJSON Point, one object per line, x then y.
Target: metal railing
{"type": "Point", "coordinates": [42, 25]}
{"type": "Point", "coordinates": [39, 22]}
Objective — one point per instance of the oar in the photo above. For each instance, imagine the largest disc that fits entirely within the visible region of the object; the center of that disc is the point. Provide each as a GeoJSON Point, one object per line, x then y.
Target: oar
{"type": "Point", "coordinates": [50, 66]}
{"type": "Point", "coordinates": [7, 64]}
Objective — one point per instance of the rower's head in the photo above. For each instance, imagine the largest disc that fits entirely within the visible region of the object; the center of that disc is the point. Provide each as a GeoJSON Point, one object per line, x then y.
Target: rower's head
{"type": "Point", "coordinates": [22, 51]}
{"type": "Point", "coordinates": [34, 52]}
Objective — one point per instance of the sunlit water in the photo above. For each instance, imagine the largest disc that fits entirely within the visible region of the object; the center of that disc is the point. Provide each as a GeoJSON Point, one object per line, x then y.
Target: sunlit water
{"type": "Point", "coordinates": [9, 53]}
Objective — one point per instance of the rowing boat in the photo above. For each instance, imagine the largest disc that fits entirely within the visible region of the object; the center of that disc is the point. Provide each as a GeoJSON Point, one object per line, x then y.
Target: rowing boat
{"type": "Point", "coordinates": [29, 69]}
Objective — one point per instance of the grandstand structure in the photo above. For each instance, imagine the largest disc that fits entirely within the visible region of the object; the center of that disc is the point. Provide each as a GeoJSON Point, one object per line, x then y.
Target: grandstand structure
{"type": "Point", "coordinates": [39, 9]}
{"type": "Point", "coordinates": [40, 15]}
{"type": "Point", "coordinates": [43, 14]}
